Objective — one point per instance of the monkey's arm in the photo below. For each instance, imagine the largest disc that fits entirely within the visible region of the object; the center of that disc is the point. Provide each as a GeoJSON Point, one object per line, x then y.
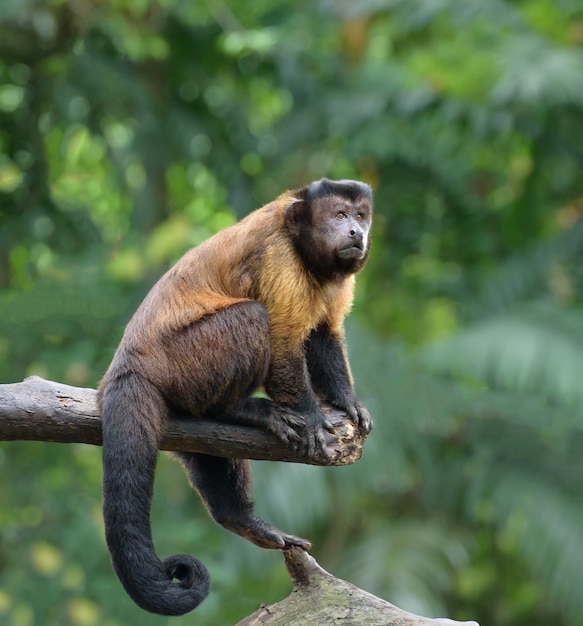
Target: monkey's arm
{"type": "Point", "coordinates": [330, 374]}
{"type": "Point", "coordinates": [288, 384]}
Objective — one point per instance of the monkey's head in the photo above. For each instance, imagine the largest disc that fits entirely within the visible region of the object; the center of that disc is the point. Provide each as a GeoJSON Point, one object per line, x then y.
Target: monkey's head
{"type": "Point", "coordinates": [329, 223]}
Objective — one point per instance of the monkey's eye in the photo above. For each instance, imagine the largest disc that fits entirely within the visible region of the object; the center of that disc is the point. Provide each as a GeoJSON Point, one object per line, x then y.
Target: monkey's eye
{"type": "Point", "coordinates": [340, 215]}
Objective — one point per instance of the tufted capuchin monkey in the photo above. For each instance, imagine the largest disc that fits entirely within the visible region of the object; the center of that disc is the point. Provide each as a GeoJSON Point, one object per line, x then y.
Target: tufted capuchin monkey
{"type": "Point", "coordinates": [259, 304]}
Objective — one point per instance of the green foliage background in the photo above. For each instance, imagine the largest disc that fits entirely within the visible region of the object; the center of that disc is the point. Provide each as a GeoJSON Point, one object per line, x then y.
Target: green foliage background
{"type": "Point", "coordinates": [131, 130]}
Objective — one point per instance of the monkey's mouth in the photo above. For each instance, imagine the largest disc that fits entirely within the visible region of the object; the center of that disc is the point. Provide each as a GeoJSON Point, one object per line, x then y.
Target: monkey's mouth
{"type": "Point", "coordinates": [355, 251]}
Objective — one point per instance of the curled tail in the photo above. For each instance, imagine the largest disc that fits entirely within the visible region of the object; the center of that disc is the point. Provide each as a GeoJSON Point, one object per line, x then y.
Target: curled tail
{"type": "Point", "coordinates": [133, 415]}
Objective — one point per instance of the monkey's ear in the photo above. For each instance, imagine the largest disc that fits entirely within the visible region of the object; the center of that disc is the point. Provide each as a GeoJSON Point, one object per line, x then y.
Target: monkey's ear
{"type": "Point", "coordinates": [295, 214]}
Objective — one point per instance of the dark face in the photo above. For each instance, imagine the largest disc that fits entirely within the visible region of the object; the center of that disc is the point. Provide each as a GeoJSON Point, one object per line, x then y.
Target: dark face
{"type": "Point", "coordinates": [342, 226]}
{"type": "Point", "coordinates": [331, 227]}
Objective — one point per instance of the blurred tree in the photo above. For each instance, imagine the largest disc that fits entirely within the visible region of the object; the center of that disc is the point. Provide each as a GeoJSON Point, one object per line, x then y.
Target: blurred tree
{"type": "Point", "coordinates": [131, 130]}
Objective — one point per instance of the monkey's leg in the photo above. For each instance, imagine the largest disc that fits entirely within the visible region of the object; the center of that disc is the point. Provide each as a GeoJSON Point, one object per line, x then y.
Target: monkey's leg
{"type": "Point", "coordinates": [224, 485]}
{"type": "Point", "coordinates": [225, 358]}
{"type": "Point", "coordinates": [221, 360]}
{"type": "Point", "coordinates": [330, 375]}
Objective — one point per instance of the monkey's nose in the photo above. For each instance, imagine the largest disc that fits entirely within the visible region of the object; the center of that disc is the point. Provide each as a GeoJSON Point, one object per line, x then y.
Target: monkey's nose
{"type": "Point", "coordinates": [356, 233]}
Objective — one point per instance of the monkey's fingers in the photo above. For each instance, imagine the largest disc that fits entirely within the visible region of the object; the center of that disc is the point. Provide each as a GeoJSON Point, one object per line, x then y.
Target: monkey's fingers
{"type": "Point", "coordinates": [349, 405]}
{"type": "Point", "coordinates": [264, 535]}
{"type": "Point", "coordinates": [318, 441]}
{"type": "Point", "coordinates": [292, 540]}
{"type": "Point", "coordinates": [282, 431]}
{"type": "Point", "coordinates": [289, 425]}
{"type": "Point", "coordinates": [358, 413]}
{"type": "Point", "coordinates": [291, 418]}
{"type": "Point", "coordinates": [364, 421]}
{"type": "Point", "coordinates": [328, 425]}
{"type": "Point", "coordinates": [352, 412]}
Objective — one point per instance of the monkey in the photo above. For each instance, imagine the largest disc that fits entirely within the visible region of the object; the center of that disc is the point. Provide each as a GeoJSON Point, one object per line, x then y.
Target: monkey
{"type": "Point", "coordinates": [259, 305]}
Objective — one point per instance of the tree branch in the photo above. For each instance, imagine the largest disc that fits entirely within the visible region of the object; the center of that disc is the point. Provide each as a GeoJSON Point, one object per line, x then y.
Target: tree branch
{"type": "Point", "coordinates": [41, 410]}
{"type": "Point", "coordinates": [320, 598]}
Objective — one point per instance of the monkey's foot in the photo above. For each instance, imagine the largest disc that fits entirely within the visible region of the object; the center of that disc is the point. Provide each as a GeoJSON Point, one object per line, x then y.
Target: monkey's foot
{"type": "Point", "coordinates": [285, 423]}
{"type": "Point", "coordinates": [264, 535]}
{"type": "Point", "coordinates": [319, 436]}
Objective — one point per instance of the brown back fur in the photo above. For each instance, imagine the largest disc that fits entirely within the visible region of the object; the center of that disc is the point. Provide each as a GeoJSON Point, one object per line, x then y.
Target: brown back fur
{"type": "Point", "coordinates": [251, 260]}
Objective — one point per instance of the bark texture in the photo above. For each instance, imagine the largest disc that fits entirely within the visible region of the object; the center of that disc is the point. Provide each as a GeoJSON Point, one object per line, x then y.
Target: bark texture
{"type": "Point", "coordinates": [320, 599]}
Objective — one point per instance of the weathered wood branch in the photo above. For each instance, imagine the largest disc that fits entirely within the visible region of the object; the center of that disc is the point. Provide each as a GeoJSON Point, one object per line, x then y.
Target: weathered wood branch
{"type": "Point", "coordinates": [320, 598]}
{"type": "Point", "coordinates": [41, 410]}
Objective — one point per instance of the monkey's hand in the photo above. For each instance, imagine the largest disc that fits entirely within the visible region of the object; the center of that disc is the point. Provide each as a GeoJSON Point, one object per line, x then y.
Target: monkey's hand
{"type": "Point", "coordinates": [361, 417]}
{"type": "Point", "coordinates": [355, 410]}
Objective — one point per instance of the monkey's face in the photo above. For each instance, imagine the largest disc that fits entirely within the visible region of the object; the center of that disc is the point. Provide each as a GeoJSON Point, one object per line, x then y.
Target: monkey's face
{"type": "Point", "coordinates": [341, 227]}
{"type": "Point", "coordinates": [331, 227]}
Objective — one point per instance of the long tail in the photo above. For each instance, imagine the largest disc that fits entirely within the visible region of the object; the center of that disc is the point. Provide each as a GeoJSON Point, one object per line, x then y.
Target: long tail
{"type": "Point", "coordinates": [133, 413]}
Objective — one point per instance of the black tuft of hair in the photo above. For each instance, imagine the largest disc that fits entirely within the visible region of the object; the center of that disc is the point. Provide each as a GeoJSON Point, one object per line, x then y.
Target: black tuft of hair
{"type": "Point", "coordinates": [349, 189]}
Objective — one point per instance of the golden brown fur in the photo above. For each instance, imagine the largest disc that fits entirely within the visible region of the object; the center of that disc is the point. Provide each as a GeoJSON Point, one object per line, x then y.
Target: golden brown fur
{"type": "Point", "coordinates": [226, 269]}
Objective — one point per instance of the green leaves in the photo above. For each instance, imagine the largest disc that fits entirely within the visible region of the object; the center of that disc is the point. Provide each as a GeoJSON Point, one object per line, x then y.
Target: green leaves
{"type": "Point", "coordinates": [538, 349]}
{"type": "Point", "coordinates": [538, 73]}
